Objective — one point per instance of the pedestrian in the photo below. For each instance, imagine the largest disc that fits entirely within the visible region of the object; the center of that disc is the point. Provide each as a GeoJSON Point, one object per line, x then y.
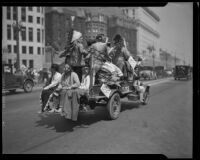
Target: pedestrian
{"type": "Point", "coordinates": [49, 89]}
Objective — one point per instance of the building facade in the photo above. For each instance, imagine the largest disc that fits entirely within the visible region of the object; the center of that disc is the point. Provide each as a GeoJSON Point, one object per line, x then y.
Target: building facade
{"type": "Point", "coordinates": [31, 36]}
{"type": "Point", "coordinates": [147, 33]}
{"type": "Point", "coordinates": [96, 23]}
{"type": "Point", "coordinates": [58, 23]}
{"type": "Point", "coordinates": [126, 28]}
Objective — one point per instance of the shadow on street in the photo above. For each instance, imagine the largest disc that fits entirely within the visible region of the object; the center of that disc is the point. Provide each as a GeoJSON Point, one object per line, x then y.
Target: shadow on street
{"type": "Point", "coordinates": [85, 119]}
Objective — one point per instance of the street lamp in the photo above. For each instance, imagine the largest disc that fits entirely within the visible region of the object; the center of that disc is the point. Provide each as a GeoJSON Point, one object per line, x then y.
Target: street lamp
{"type": "Point", "coordinates": [17, 26]}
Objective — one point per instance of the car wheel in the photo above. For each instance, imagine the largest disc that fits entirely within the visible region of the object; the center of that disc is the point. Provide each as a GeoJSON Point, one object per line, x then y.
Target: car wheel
{"type": "Point", "coordinates": [114, 106]}
{"type": "Point", "coordinates": [28, 86]}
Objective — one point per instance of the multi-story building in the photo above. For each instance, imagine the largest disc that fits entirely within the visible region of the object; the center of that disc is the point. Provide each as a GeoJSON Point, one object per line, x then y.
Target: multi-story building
{"type": "Point", "coordinates": [58, 23]}
{"type": "Point", "coordinates": [147, 32]}
{"type": "Point", "coordinates": [96, 23]}
{"type": "Point", "coordinates": [31, 36]}
{"type": "Point", "coordinates": [126, 28]}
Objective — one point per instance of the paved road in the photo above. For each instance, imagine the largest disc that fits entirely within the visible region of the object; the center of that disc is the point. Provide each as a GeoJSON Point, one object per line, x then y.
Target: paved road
{"type": "Point", "coordinates": [164, 126]}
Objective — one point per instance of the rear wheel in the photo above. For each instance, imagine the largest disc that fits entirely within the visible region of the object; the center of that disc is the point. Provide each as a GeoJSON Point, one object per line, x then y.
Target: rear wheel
{"type": "Point", "coordinates": [114, 106]}
{"type": "Point", "coordinates": [28, 86]}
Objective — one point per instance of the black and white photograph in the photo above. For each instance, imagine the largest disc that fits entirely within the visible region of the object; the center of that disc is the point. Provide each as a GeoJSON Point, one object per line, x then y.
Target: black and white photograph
{"type": "Point", "coordinates": [98, 79]}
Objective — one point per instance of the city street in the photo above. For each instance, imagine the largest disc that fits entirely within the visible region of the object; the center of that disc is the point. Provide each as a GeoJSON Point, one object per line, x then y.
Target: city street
{"type": "Point", "coordinates": [164, 126]}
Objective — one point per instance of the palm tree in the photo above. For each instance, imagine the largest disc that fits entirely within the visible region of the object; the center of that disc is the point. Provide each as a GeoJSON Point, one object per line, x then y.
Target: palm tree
{"type": "Point", "coordinates": [151, 49]}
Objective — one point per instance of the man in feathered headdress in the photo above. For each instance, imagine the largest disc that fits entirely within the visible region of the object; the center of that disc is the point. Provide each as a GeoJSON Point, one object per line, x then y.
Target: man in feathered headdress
{"type": "Point", "coordinates": [74, 51]}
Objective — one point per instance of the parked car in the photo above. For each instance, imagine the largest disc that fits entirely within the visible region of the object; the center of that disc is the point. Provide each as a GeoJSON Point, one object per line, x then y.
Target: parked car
{"type": "Point", "coordinates": [168, 73]}
{"type": "Point", "coordinates": [12, 81]}
{"type": "Point", "coordinates": [182, 71]}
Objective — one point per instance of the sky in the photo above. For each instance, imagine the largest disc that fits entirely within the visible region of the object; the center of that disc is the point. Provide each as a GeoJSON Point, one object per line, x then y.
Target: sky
{"type": "Point", "coordinates": [176, 29]}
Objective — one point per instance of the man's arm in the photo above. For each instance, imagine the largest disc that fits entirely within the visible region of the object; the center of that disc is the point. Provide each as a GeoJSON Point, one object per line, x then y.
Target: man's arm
{"type": "Point", "coordinates": [76, 80]}
{"type": "Point", "coordinates": [56, 80]}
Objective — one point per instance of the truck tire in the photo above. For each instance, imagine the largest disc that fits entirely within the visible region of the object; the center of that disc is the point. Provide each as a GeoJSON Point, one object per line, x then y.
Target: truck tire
{"type": "Point", "coordinates": [114, 106]}
{"type": "Point", "coordinates": [28, 86]}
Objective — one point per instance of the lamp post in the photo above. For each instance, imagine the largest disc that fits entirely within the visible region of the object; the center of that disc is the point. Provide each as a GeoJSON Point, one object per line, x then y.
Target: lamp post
{"type": "Point", "coordinates": [17, 28]}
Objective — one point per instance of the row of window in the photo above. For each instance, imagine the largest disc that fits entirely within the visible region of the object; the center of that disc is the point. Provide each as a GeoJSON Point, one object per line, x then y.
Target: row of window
{"type": "Point", "coordinates": [24, 49]}
{"type": "Point", "coordinates": [24, 62]}
{"type": "Point", "coordinates": [24, 34]}
{"type": "Point", "coordinates": [23, 15]}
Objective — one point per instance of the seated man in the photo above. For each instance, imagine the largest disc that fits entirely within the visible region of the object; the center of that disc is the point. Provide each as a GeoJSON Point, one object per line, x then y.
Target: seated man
{"type": "Point", "coordinates": [49, 89]}
{"type": "Point", "coordinates": [139, 86]}
{"type": "Point", "coordinates": [84, 87]}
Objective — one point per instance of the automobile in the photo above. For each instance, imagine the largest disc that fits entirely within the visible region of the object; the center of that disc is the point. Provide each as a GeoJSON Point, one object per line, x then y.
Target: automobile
{"type": "Point", "coordinates": [168, 73]}
{"type": "Point", "coordinates": [106, 93]}
{"type": "Point", "coordinates": [147, 72]}
{"type": "Point", "coordinates": [12, 81]}
{"type": "Point", "coordinates": [182, 71]}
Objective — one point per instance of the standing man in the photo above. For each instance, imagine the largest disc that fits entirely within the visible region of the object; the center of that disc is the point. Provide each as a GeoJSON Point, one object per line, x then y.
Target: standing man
{"type": "Point", "coordinates": [120, 53]}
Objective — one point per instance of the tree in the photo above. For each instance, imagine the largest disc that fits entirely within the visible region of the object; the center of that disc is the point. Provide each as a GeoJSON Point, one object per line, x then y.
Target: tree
{"type": "Point", "coordinates": [151, 49]}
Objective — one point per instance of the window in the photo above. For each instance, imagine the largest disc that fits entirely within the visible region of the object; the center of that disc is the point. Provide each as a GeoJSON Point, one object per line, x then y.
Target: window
{"type": "Point", "coordinates": [9, 32]}
{"type": "Point", "coordinates": [42, 35]}
{"type": "Point", "coordinates": [24, 62]}
{"type": "Point", "coordinates": [8, 13]}
{"type": "Point", "coordinates": [42, 9]}
{"type": "Point", "coordinates": [30, 8]}
{"type": "Point", "coordinates": [23, 31]}
{"type": "Point", "coordinates": [9, 49]}
{"type": "Point", "coordinates": [30, 32]}
{"type": "Point", "coordinates": [30, 50]}
{"type": "Point", "coordinates": [42, 21]}
{"type": "Point", "coordinates": [38, 35]}
{"type": "Point", "coordinates": [14, 13]}
{"type": "Point", "coordinates": [38, 20]}
{"type": "Point", "coordinates": [39, 50]}
{"type": "Point", "coordinates": [31, 64]}
{"type": "Point", "coordinates": [43, 51]}
{"type": "Point", "coordinates": [9, 61]}
{"type": "Point", "coordinates": [15, 49]}
{"type": "Point", "coordinates": [23, 14]}
{"type": "Point", "coordinates": [24, 49]}
{"type": "Point", "coordinates": [30, 19]}
{"type": "Point", "coordinates": [14, 33]}
{"type": "Point", "coordinates": [38, 9]}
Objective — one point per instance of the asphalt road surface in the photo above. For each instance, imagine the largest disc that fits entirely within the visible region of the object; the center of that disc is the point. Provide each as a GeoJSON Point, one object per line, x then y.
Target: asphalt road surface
{"type": "Point", "coordinates": [164, 126]}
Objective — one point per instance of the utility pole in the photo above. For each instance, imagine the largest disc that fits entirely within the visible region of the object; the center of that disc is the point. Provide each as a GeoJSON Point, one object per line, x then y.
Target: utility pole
{"type": "Point", "coordinates": [17, 28]}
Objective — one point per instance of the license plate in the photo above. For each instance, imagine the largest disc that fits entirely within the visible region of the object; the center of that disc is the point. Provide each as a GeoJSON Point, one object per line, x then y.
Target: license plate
{"type": "Point", "coordinates": [106, 90]}
{"type": "Point", "coordinates": [125, 89]}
